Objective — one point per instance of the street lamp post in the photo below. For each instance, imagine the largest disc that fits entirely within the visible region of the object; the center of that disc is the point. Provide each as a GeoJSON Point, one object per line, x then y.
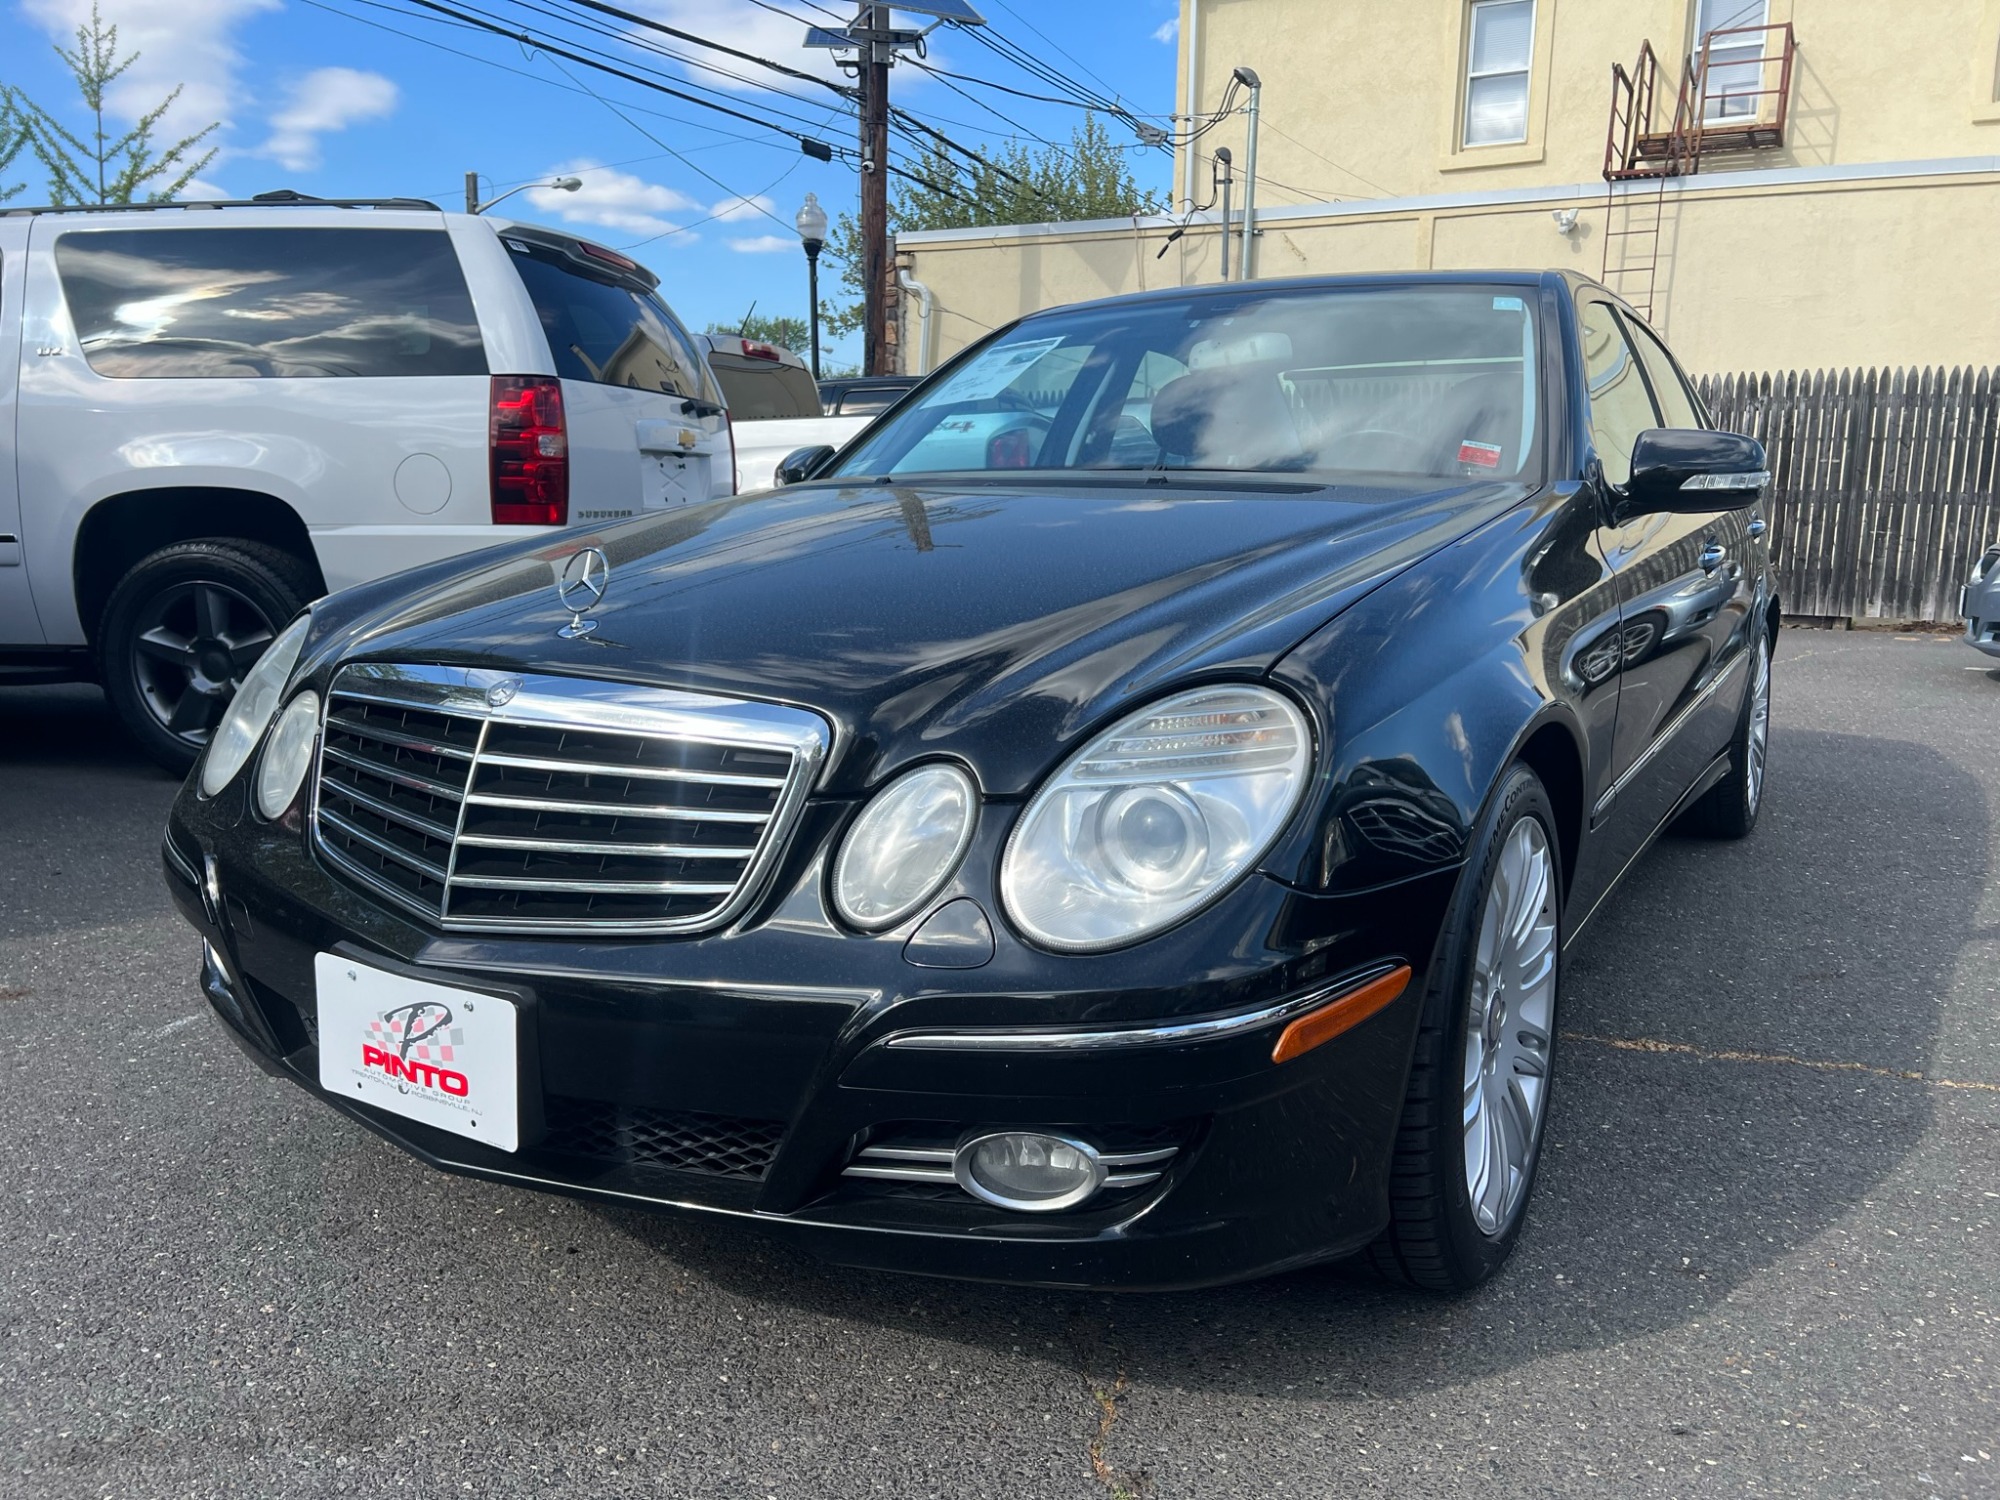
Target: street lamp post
{"type": "Point", "coordinates": [474, 206]}
{"type": "Point", "coordinates": [812, 234]}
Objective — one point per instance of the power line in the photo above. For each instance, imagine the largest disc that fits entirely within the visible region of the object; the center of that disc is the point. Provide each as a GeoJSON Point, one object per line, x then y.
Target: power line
{"type": "Point", "coordinates": [807, 143]}
{"type": "Point", "coordinates": [410, 36]}
{"type": "Point", "coordinates": [1053, 43]}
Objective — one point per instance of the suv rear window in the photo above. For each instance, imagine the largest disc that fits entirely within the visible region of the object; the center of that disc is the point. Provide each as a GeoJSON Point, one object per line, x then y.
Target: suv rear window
{"type": "Point", "coordinates": [759, 391]}
{"type": "Point", "coordinates": [608, 332]}
{"type": "Point", "coordinates": [185, 304]}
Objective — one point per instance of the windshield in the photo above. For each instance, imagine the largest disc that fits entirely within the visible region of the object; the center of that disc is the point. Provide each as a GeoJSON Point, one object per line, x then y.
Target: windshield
{"type": "Point", "coordinates": [1433, 382]}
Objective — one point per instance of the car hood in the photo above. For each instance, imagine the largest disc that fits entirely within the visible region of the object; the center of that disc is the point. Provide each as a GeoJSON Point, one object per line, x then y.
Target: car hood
{"type": "Point", "coordinates": [993, 623]}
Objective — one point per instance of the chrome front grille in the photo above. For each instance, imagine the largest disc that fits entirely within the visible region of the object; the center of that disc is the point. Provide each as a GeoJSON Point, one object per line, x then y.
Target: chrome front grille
{"type": "Point", "coordinates": [489, 802]}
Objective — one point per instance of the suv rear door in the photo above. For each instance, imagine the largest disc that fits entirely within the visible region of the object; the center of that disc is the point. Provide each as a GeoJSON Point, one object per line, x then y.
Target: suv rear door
{"type": "Point", "coordinates": [18, 624]}
{"type": "Point", "coordinates": [619, 351]}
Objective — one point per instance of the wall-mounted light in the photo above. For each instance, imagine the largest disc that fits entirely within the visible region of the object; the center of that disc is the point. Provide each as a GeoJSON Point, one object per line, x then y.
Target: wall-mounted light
{"type": "Point", "coordinates": [1565, 220]}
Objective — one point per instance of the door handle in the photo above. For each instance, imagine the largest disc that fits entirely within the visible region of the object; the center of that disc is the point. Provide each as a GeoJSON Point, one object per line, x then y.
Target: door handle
{"type": "Point", "coordinates": [1757, 527]}
{"type": "Point", "coordinates": [1712, 556]}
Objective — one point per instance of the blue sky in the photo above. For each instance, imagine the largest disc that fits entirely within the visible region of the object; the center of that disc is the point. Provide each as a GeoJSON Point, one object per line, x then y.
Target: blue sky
{"type": "Point", "coordinates": [312, 97]}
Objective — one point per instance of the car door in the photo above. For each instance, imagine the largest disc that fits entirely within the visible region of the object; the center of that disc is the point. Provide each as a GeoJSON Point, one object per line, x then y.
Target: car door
{"type": "Point", "coordinates": [1682, 590]}
{"type": "Point", "coordinates": [19, 625]}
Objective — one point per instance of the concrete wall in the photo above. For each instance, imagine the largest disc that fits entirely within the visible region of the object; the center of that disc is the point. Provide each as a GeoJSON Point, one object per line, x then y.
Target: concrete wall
{"type": "Point", "coordinates": [1362, 98]}
{"type": "Point", "coordinates": [1762, 271]}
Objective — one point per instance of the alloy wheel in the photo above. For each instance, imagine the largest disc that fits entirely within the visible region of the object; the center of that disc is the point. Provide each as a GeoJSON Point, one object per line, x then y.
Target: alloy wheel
{"type": "Point", "coordinates": [194, 644]}
{"type": "Point", "coordinates": [1509, 1023]}
{"type": "Point", "coordinates": [1760, 726]}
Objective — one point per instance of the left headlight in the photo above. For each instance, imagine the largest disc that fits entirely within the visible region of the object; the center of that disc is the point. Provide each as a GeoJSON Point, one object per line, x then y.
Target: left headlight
{"type": "Point", "coordinates": [903, 848]}
{"type": "Point", "coordinates": [286, 754]}
{"type": "Point", "coordinates": [251, 710]}
{"type": "Point", "coordinates": [1156, 817]}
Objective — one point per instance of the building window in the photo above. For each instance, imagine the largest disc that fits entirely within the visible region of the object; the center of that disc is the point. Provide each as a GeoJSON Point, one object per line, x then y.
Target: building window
{"type": "Point", "coordinates": [1735, 63]}
{"type": "Point", "coordinates": [1501, 45]}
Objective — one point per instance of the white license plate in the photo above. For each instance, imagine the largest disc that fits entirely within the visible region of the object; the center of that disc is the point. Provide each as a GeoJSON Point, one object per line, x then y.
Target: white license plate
{"type": "Point", "coordinates": [444, 1056]}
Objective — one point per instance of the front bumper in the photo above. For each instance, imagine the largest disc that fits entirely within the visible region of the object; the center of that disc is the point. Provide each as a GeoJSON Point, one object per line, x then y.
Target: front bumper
{"type": "Point", "coordinates": [736, 1075]}
{"type": "Point", "coordinates": [1980, 604]}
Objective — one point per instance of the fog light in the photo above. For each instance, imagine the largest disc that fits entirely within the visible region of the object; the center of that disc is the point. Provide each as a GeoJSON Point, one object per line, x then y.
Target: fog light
{"type": "Point", "coordinates": [1028, 1171]}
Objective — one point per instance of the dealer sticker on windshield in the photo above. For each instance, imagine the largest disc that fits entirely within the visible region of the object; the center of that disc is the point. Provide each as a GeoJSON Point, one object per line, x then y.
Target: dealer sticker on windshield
{"type": "Point", "coordinates": [431, 1052]}
{"type": "Point", "coordinates": [1486, 455]}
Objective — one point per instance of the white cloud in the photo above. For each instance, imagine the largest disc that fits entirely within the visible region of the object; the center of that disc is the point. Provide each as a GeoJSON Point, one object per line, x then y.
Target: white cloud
{"type": "Point", "coordinates": [325, 100]}
{"type": "Point", "coordinates": [1168, 32]}
{"type": "Point", "coordinates": [748, 29]}
{"type": "Point", "coordinates": [614, 200]}
{"type": "Point", "coordinates": [189, 43]}
{"type": "Point", "coordinates": [735, 210]}
{"type": "Point", "coordinates": [765, 244]}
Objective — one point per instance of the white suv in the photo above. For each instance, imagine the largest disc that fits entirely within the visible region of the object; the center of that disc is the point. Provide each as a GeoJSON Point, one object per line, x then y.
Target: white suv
{"type": "Point", "coordinates": [212, 414]}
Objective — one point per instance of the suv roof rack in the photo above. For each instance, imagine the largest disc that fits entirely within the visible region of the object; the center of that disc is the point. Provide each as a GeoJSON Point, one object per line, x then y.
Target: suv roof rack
{"type": "Point", "coordinates": [282, 198]}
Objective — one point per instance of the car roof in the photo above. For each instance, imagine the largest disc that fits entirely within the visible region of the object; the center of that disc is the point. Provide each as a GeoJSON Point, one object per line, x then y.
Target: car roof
{"type": "Point", "coordinates": [1208, 290]}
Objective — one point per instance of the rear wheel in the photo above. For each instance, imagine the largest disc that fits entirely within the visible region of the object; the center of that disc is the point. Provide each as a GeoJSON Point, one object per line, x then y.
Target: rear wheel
{"type": "Point", "coordinates": [1471, 1132]}
{"type": "Point", "coordinates": [1728, 810]}
{"type": "Point", "coordinates": [182, 628]}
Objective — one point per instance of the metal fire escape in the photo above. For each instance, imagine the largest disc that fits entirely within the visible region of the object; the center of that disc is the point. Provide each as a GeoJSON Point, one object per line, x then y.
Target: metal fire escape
{"type": "Point", "coordinates": [1727, 106]}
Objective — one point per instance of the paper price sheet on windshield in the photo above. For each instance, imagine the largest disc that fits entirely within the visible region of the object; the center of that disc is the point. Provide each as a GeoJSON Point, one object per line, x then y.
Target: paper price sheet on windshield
{"type": "Point", "coordinates": [992, 372]}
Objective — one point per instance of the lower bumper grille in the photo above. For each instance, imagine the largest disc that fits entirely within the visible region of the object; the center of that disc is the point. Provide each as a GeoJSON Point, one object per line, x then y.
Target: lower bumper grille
{"type": "Point", "coordinates": [681, 1141]}
{"type": "Point", "coordinates": [916, 1162]}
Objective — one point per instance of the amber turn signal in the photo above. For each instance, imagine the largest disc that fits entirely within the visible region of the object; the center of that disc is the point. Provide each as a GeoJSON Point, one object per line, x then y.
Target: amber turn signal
{"type": "Point", "coordinates": [1336, 1016]}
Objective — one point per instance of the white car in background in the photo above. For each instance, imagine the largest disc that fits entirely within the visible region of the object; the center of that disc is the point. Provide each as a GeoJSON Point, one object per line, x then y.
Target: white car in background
{"type": "Point", "coordinates": [210, 414]}
{"type": "Point", "coordinates": [774, 407]}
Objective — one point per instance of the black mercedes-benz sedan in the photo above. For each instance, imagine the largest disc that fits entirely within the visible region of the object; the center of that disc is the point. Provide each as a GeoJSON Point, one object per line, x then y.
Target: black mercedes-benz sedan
{"type": "Point", "coordinates": [1118, 823]}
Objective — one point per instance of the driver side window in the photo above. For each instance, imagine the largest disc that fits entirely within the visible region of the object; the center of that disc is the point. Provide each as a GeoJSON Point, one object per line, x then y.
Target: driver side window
{"type": "Point", "coordinates": [1620, 406]}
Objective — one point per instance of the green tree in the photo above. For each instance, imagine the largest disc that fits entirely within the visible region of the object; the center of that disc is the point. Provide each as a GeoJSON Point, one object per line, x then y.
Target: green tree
{"type": "Point", "coordinates": [97, 167]}
{"type": "Point", "coordinates": [1090, 178]}
{"type": "Point", "coordinates": [786, 333]}
{"type": "Point", "coordinates": [13, 139]}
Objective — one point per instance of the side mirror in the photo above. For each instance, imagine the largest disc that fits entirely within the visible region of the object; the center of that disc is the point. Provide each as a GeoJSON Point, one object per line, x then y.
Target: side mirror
{"type": "Point", "coordinates": [1686, 469]}
{"type": "Point", "coordinates": [802, 463]}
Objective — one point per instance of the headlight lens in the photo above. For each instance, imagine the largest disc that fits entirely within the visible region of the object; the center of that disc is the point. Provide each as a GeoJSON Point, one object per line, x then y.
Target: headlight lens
{"type": "Point", "coordinates": [250, 711]}
{"type": "Point", "coordinates": [286, 754]}
{"type": "Point", "coordinates": [1156, 817]}
{"type": "Point", "coordinates": [904, 847]}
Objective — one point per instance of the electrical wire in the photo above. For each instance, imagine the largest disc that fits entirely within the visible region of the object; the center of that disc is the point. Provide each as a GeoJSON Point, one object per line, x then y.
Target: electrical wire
{"type": "Point", "coordinates": [1278, 130]}
{"type": "Point", "coordinates": [527, 39]}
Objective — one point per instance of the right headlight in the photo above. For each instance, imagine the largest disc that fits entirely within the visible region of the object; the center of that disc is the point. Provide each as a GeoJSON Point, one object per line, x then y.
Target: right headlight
{"type": "Point", "coordinates": [251, 710]}
{"type": "Point", "coordinates": [1156, 817]}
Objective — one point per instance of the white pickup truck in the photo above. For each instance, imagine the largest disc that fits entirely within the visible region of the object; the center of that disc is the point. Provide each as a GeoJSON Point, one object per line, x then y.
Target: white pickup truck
{"type": "Point", "coordinates": [775, 409]}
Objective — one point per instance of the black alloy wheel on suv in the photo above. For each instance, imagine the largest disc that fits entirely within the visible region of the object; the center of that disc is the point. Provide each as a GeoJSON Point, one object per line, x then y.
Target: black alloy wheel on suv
{"type": "Point", "coordinates": [182, 628]}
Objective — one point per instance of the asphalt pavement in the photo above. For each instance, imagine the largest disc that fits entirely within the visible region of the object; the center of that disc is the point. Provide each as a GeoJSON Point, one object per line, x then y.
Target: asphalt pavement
{"type": "Point", "coordinates": [1764, 1257]}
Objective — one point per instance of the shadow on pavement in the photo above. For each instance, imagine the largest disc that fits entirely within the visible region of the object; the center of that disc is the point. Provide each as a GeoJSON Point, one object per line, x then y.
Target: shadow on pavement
{"type": "Point", "coordinates": [80, 814]}
{"type": "Point", "coordinates": [1829, 935]}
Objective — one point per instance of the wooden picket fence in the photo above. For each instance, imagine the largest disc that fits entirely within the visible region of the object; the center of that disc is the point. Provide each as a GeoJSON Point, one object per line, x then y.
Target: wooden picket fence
{"type": "Point", "coordinates": [1886, 483]}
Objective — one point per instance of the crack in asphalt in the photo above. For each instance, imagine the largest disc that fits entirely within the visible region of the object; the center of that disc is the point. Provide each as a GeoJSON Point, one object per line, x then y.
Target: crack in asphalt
{"type": "Point", "coordinates": [1127, 1484]}
{"type": "Point", "coordinates": [1819, 1065]}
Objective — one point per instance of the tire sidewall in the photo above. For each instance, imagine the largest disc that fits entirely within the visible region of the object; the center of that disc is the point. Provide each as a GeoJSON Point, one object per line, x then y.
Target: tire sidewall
{"type": "Point", "coordinates": [1475, 1253]}
{"type": "Point", "coordinates": [215, 562]}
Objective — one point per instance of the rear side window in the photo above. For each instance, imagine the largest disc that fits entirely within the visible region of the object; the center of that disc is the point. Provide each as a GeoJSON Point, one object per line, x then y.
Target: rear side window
{"type": "Point", "coordinates": [1670, 389]}
{"type": "Point", "coordinates": [867, 403]}
{"type": "Point", "coordinates": [1620, 408]}
{"type": "Point", "coordinates": [759, 392]}
{"type": "Point", "coordinates": [187, 304]}
{"type": "Point", "coordinates": [608, 333]}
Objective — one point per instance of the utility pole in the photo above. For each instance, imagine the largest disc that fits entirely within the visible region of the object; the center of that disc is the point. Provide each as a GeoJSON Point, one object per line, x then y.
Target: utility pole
{"type": "Point", "coordinates": [875, 42]}
{"type": "Point", "coordinates": [878, 51]}
{"type": "Point", "coordinates": [1250, 80]}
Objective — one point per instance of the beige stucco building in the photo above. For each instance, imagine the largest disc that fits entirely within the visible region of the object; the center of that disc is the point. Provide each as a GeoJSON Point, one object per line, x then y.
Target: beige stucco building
{"type": "Point", "coordinates": [1823, 175]}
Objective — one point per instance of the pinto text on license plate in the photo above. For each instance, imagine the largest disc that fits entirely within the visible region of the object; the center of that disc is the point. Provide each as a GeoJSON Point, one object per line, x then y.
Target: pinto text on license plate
{"type": "Point", "coordinates": [436, 1054]}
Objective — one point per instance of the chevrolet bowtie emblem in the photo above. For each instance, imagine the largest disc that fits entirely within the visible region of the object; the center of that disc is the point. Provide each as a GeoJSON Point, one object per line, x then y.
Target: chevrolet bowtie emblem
{"type": "Point", "coordinates": [581, 585]}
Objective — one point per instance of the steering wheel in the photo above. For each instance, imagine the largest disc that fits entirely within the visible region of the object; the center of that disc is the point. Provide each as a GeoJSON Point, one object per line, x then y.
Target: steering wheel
{"type": "Point", "coordinates": [1383, 448]}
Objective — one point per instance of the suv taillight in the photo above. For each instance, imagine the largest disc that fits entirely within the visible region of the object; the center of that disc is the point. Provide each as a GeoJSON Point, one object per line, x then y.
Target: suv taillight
{"type": "Point", "coordinates": [529, 449]}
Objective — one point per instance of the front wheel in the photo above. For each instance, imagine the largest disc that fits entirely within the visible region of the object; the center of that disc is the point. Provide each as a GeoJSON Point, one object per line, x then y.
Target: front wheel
{"type": "Point", "coordinates": [1472, 1126]}
{"type": "Point", "coordinates": [181, 629]}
